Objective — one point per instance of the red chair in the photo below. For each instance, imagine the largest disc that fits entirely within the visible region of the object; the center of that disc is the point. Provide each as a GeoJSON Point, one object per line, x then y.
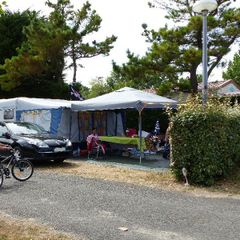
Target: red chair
{"type": "Point", "coordinates": [131, 132]}
{"type": "Point", "coordinates": [95, 149]}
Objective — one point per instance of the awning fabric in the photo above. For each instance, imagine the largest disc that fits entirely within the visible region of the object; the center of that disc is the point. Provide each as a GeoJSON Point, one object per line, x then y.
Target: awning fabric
{"type": "Point", "coordinates": [24, 103]}
{"type": "Point", "coordinates": [124, 98]}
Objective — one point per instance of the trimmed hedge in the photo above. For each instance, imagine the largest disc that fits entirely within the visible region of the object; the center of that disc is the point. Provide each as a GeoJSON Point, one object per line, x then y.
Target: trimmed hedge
{"type": "Point", "coordinates": [206, 141]}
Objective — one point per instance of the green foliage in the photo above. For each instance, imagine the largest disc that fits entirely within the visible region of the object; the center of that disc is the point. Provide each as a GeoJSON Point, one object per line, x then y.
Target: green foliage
{"type": "Point", "coordinates": [184, 85]}
{"type": "Point", "coordinates": [178, 50]}
{"type": "Point", "coordinates": [11, 32]}
{"type": "Point", "coordinates": [36, 59]}
{"type": "Point", "coordinates": [143, 72]}
{"type": "Point", "coordinates": [205, 140]}
{"type": "Point", "coordinates": [233, 70]}
{"type": "Point", "coordinates": [11, 39]}
{"type": "Point", "coordinates": [39, 61]}
{"type": "Point", "coordinates": [113, 82]}
{"type": "Point", "coordinates": [98, 88]}
{"type": "Point", "coordinates": [82, 23]}
{"type": "Point", "coordinates": [2, 4]}
{"type": "Point", "coordinates": [165, 88]}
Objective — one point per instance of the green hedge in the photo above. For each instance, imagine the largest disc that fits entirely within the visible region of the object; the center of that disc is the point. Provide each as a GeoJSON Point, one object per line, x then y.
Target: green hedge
{"type": "Point", "coordinates": [206, 141]}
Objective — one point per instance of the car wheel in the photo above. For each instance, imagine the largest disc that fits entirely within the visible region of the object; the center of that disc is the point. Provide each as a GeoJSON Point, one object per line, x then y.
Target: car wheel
{"type": "Point", "coordinates": [18, 153]}
{"type": "Point", "coordinates": [60, 160]}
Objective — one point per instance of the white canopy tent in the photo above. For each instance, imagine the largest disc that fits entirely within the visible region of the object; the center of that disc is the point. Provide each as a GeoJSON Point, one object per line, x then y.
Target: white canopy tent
{"type": "Point", "coordinates": [125, 98]}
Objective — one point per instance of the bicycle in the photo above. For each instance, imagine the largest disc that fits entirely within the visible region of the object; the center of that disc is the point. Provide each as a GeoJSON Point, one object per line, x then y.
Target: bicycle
{"type": "Point", "coordinates": [21, 169]}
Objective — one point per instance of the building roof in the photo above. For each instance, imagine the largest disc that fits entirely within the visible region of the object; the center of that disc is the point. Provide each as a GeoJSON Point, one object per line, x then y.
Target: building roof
{"type": "Point", "coordinates": [218, 84]}
{"type": "Point", "coordinates": [223, 88]}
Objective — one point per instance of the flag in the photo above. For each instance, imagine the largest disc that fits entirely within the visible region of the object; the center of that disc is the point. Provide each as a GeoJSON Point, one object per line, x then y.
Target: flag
{"type": "Point", "coordinates": [74, 94]}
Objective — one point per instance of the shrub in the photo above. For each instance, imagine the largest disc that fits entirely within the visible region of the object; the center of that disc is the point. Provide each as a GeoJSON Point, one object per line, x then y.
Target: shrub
{"type": "Point", "coordinates": [205, 140]}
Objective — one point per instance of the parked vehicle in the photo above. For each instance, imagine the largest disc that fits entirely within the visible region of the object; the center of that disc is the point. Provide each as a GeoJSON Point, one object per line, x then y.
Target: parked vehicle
{"type": "Point", "coordinates": [31, 141]}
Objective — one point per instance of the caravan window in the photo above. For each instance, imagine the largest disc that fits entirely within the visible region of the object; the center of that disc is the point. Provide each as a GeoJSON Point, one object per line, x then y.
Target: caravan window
{"type": "Point", "coordinates": [8, 114]}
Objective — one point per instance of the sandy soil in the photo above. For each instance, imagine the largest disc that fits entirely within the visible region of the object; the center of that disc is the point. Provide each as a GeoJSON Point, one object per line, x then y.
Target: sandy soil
{"type": "Point", "coordinates": [163, 180]}
{"type": "Point", "coordinates": [28, 229]}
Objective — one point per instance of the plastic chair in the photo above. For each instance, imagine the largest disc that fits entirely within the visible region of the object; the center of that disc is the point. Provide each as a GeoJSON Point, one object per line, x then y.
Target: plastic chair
{"type": "Point", "coordinates": [96, 149]}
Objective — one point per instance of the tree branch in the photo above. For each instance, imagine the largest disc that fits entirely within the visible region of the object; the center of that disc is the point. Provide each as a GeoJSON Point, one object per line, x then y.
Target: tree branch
{"type": "Point", "coordinates": [220, 57]}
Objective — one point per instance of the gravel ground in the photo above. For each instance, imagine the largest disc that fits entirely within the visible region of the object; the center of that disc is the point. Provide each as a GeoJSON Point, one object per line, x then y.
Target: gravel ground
{"type": "Point", "coordinates": [96, 209]}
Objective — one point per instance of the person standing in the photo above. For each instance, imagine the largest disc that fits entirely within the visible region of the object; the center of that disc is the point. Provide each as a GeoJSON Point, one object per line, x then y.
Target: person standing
{"type": "Point", "coordinates": [157, 128]}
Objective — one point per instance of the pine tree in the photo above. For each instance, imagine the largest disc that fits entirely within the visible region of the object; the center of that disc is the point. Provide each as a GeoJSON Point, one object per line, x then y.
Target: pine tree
{"type": "Point", "coordinates": [177, 50]}
{"type": "Point", "coordinates": [233, 70]}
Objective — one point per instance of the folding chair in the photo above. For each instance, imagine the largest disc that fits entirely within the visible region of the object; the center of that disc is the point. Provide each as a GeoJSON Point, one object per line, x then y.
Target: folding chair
{"type": "Point", "coordinates": [96, 150]}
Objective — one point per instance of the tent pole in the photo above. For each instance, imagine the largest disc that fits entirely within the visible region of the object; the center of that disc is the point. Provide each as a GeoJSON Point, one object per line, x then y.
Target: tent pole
{"type": "Point", "coordinates": [70, 127]}
{"type": "Point", "coordinates": [79, 136]}
{"type": "Point", "coordinates": [140, 132]}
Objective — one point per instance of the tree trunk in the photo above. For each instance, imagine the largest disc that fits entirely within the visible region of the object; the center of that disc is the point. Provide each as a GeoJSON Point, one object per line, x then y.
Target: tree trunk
{"type": "Point", "coordinates": [74, 59]}
{"type": "Point", "coordinates": [74, 70]}
{"type": "Point", "coordinates": [193, 80]}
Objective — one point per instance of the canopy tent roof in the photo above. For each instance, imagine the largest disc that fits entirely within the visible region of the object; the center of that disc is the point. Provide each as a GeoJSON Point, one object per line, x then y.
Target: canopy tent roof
{"type": "Point", "coordinates": [124, 98]}
{"type": "Point", "coordinates": [24, 103]}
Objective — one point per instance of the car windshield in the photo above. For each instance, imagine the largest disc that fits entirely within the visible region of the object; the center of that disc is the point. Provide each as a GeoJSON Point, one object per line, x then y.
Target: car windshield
{"type": "Point", "coordinates": [25, 128]}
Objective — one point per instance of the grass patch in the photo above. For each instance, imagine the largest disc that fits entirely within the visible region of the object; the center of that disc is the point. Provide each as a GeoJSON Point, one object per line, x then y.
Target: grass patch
{"type": "Point", "coordinates": [230, 185]}
{"type": "Point", "coordinates": [108, 172]}
{"type": "Point", "coordinates": [27, 229]}
{"type": "Point", "coordinates": [164, 180]}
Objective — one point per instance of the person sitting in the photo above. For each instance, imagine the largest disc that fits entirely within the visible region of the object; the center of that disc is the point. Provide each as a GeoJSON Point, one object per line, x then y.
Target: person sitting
{"type": "Point", "coordinates": [93, 142]}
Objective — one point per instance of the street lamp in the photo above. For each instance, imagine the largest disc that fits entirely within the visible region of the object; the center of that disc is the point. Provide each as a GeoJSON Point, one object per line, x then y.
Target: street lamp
{"type": "Point", "coordinates": [204, 7]}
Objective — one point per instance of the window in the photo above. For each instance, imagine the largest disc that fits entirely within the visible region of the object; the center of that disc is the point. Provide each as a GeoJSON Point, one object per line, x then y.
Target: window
{"type": "Point", "coordinates": [8, 114]}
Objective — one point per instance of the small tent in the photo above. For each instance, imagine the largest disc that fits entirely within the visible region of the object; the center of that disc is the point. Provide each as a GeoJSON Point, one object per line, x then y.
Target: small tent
{"type": "Point", "coordinates": [125, 98]}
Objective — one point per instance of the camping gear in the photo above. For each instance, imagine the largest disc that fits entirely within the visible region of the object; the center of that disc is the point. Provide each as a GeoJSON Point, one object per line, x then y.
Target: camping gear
{"type": "Point", "coordinates": [125, 98]}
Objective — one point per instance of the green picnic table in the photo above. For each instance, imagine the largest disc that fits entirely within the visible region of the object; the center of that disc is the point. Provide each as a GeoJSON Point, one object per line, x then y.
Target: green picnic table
{"type": "Point", "coordinates": [124, 140]}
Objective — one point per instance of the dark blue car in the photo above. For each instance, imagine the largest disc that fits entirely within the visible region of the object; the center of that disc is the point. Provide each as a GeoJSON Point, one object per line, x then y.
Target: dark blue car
{"type": "Point", "coordinates": [33, 142]}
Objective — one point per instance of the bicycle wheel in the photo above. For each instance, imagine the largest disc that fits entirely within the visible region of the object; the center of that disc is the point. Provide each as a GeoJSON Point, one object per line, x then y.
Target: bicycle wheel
{"type": "Point", "coordinates": [1, 177]}
{"type": "Point", "coordinates": [22, 170]}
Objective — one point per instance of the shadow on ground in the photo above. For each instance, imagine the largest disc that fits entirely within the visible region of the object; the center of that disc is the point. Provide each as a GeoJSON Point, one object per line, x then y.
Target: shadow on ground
{"type": "Point", "coordinates": [156, 163]}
